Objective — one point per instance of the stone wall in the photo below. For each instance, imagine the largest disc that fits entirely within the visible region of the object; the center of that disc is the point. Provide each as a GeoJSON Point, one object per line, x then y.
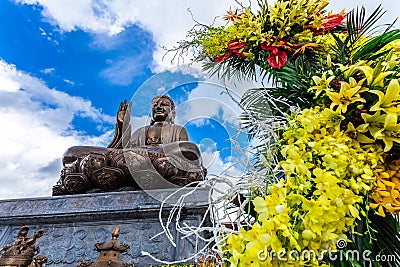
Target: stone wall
{"type": "Point", "coordinates": [73, 224]}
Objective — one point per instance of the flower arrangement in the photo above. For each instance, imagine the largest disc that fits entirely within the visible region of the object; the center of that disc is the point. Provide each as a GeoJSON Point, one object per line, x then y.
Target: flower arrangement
{"type": "Point", "coordinates": [271, 35]}
{"type": "Point", "coordinates": [338, 171]}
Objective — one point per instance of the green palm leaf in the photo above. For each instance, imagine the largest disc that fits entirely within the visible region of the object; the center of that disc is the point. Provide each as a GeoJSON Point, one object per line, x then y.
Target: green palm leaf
{"type": "Point", "coordinates": [385, 244]}
{"type": "Point", "coordinates": [358, 26]}
{"type": "Point", "coordinates": [387, 238]}
{"type": "Point", "coordinates": [372, 49]}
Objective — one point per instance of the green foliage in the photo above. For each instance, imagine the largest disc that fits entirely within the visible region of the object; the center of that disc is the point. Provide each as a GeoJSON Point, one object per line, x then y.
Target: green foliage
{"type": "Point", "coordinates": [387, 237]}
{"type": "Point", "coordinates": [375, 48]}
{"type": "Point", "coordinates": [353, 48]}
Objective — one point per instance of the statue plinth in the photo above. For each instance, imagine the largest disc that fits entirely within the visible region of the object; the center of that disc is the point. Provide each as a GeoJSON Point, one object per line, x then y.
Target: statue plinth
{"type": "Point", "coordinates": [73, 223]}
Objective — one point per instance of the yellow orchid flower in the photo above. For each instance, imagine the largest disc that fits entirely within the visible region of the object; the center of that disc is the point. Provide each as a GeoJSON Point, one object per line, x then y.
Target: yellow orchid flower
{"type": "Point", "coordinates": [390, 101]}
{"type": "Point", "coordinates": [375, 123]}
{"type": "Point", "coordinates": [348, 94]}
{"type": "Point", "coordinates": [391, 131]}
{"type": "Point", "coordinates": [321, 84]}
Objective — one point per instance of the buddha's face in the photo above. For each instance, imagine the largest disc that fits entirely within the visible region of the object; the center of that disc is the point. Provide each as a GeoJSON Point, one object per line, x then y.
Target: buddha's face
{"type": "Point", "coordinates": [161, 109]}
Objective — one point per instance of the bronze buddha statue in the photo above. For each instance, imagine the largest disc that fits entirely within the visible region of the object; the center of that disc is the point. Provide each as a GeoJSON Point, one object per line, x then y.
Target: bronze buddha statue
{"type": "Point", "coordinates": [155, 156]}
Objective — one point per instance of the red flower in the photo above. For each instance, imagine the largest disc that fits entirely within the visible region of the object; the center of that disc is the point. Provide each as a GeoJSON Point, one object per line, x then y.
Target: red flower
{"type": "Point", "coordinates": [224, 56]}
{"type": "Point", "coordinates": [265, 46]}
{"type": "Point", "coordinates": [240, 54]}
{"type": "Point", "coordinates": [329, 23]}
{"type": "Point", "coordinates": [234, 46]}
{"type": "Point", "coordinates": [277, 58]}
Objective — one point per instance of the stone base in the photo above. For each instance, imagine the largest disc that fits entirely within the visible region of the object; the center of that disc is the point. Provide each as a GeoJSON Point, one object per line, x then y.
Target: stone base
{"type": "Point", "coordinates": [73, 224]}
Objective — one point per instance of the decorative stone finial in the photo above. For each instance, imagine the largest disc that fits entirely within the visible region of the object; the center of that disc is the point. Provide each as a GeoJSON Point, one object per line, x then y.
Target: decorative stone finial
{"type": "Point", "coordinates": [109, 253]}
{"type": "Point", "coordinates": [22, 252]}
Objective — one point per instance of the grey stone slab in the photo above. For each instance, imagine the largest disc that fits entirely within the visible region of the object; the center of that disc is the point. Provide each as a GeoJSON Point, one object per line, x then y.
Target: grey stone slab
{"type": "Point", "coordinates": [73, 224]}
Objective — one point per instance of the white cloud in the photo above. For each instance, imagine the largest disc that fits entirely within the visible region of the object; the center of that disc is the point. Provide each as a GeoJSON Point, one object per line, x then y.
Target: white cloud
{"type": "Point", "coordinates": [213, 99]}
{"type": "Point", "coordinates": [161, 90]}
{"type": "Point", "coordinates": [7, 83]}
{"type": "Point", "coordinates": [69, 81]}
{"type": "Point", "coordinates": [48, 70]}
{"type": "Point", "coordinates": [123, 72]}
{"type": "Point", "coordinates": [215, 165]}
{"type": "Point", "coordinates": [36, 130]}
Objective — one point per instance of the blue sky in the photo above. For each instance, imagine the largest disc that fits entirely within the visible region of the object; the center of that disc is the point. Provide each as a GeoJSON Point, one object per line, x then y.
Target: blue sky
{"type": "Point", "coordinates": [93, 66]}
{"type": "Point", "coordinates": [66, 64]}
